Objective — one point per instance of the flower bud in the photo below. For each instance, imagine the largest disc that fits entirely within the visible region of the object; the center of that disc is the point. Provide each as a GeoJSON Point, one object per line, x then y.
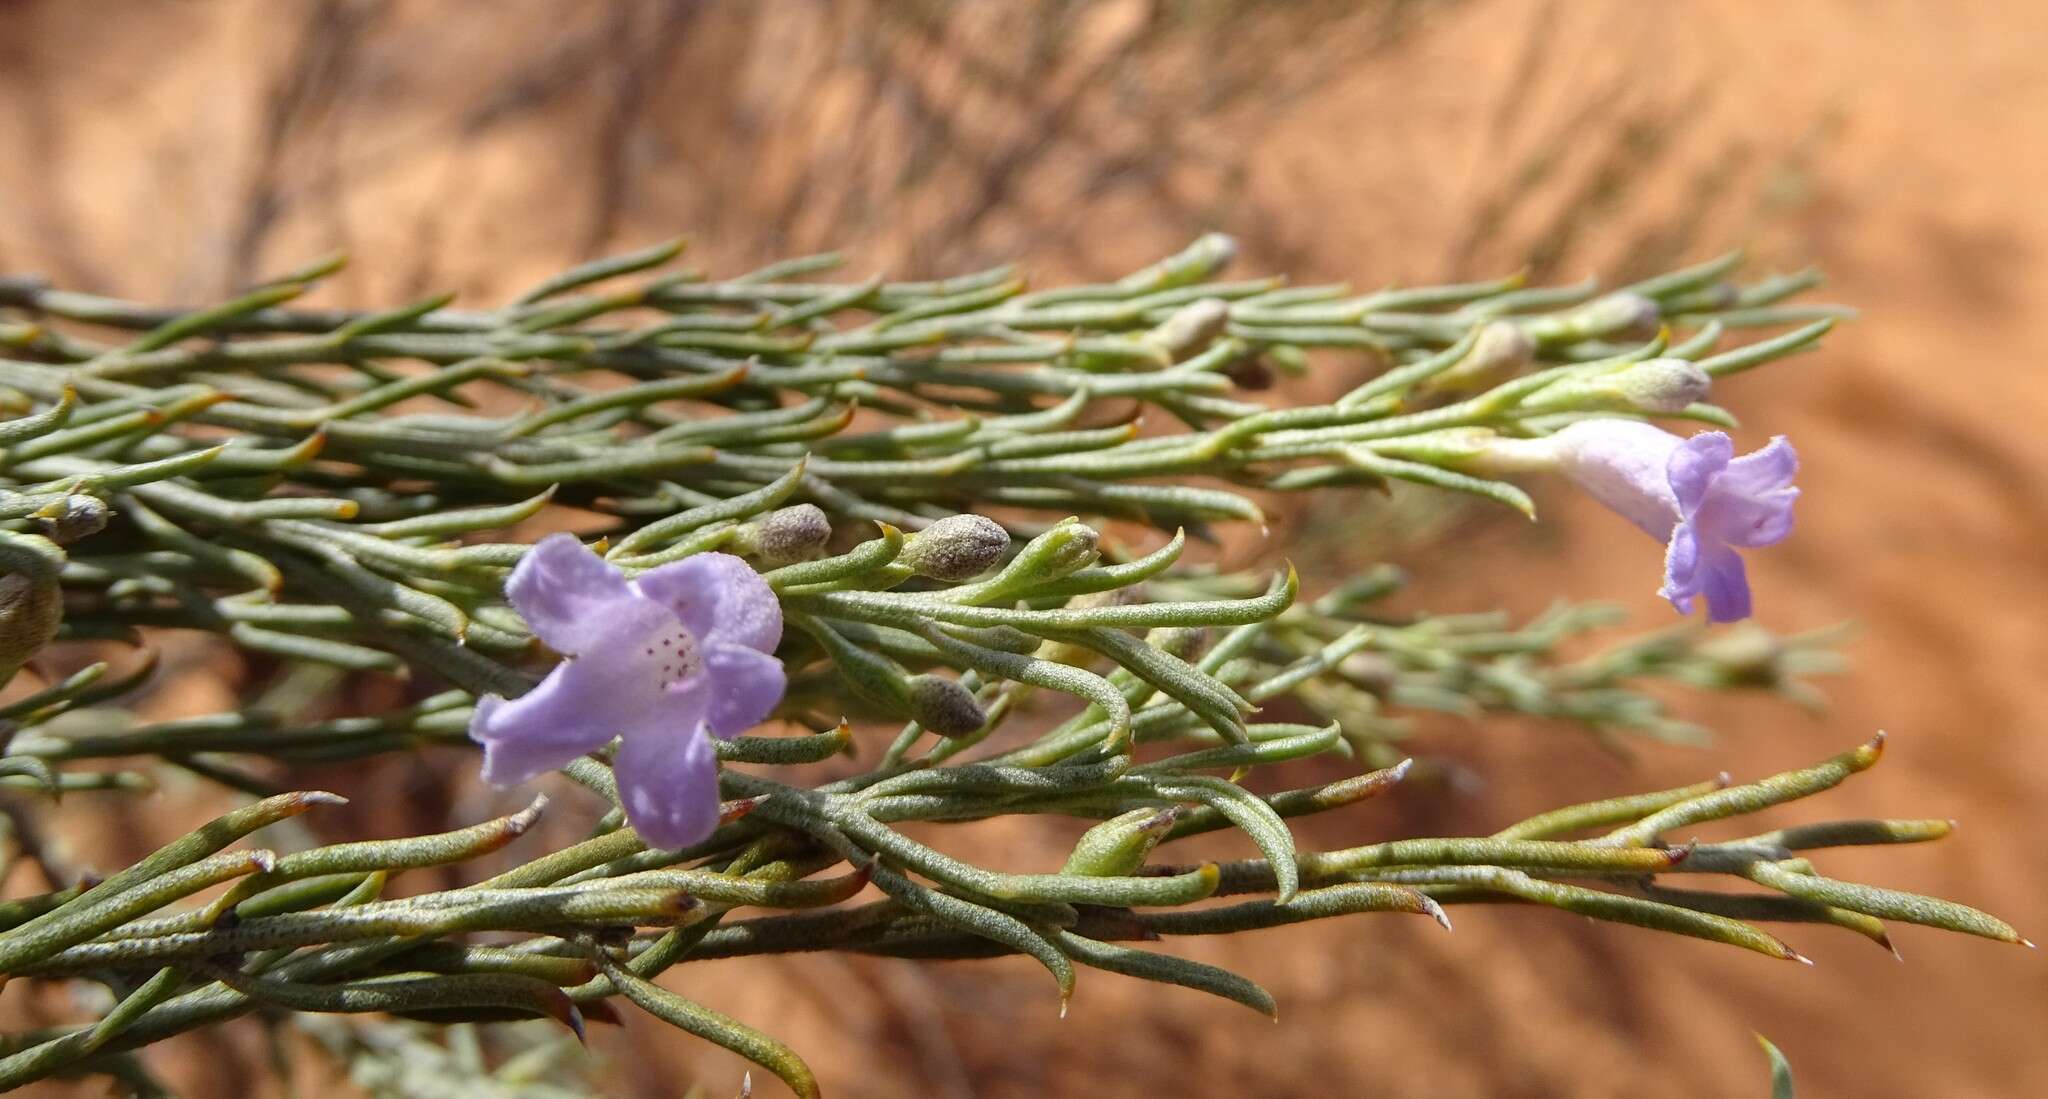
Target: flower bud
{"type": "Point", "coordinates": [1191, 327]}
{"type": "Point", "coordinates": [784, 536]}
{"type": "Point", "coordinates": [1200, 260]}
{"type": "Point", "coordinates": [1747, 656]}
{"type": "Point", "coordinates": [1212, 253]}
{"type": "Point", "coordinates": [1626, 314]}
{"type": "Point", "coordinates": [1117, 847]}
{"type": "Point", "coordinates": [1663, 385]}
{"type": "Point", "coordinates": [1658, 385]}
{"type": "Point", "coordinates": [1502, 351]}
{"type": "Point", "coordinates": [1061, 550]}
{"type": "Point", "coordinates": [958, 547]}
{"type": "Point", "coordinates": [73, 518]}
{"type": "Point", "coordinates": [944, 707]}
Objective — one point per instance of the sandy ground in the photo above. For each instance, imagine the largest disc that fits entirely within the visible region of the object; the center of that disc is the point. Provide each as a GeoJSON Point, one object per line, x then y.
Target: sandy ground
{"type": "Point", "coordinates": [168, 151]}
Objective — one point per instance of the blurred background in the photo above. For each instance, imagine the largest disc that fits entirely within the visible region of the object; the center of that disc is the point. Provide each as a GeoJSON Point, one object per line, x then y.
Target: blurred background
{"type": "Point", "coordinates": [177, 150]}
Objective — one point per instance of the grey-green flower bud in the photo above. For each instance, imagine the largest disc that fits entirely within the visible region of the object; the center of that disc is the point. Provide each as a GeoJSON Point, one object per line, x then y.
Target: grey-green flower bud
{"type": "Point", "coordinates": [1658, 385]}
{"type": "Point", "coordinates": [784, 536]}
{"type": "Point", "coordinates": [944, 707]}
{"type": "Point", "coordinates": [1214, 251]}
{"type": "Point", "coordinates": [1211, 253]}
{"type": "Point", "coordinates": [1663, 385]}
{"type": "Point", "coordinates": [1191, 327]}
{"type": "Point", "coordinates": [1502, 351]}
{"type": "Point", "coordinates": [1746, 655]}
{"type": "Point", "coordinates": [1625, 314]}
{"type": "Point", "coordinates": [958, 547]}
{"type": "Point", "coordinates": [1117, 847]}
{"type": "Point", "coordinates": [1063, 549]}
{"type": "Point", "coordinates": [73, 518]}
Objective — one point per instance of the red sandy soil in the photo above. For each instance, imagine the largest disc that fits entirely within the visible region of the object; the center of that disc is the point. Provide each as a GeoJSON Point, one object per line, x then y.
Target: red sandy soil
{"type": "Point", "coordinates": [171, 150]}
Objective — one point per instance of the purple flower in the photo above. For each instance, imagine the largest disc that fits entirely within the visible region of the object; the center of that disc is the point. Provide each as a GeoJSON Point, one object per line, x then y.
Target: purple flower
{"type": "Point", "coordinates": [1693, 494]}
{"type": "Point", "coordinates": [655, 660]}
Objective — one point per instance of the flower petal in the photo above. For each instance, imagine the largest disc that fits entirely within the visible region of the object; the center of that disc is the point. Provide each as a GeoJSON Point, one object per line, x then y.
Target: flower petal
{"type": "Point", "coordinates": [1750, 502]}
{"type": "Point", "coordinates": [1694, 467]}
{"type": "Point", "coordinates": [1725, 584]}
{"type": "Point", "coordinates": [720, 598]}
{"type": "Point", "coordinates": [741, 687]}
{"type": "Point", "coordinates": [1766, 470]}
{"type": "Point", "coordinates": [540, 730]}
{"type": "Point", "coordinates": [668, 782]}
{"type": "Point", "coordinates": [1681, 569]}
{"type": "Point", "coordinates": [567, 594]}
{"type": "Point", "coordinates": [1749, 522]}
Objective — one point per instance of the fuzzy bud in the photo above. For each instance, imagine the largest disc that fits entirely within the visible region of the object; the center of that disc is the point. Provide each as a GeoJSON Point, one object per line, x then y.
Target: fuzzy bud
{"type": "Point", "coordinates": [73, 518]}
{"type": "Point", "coordinates": [1663, 385]}
{"type": "Point", "coordinates": [1198, 261]}
{"type": "Point", "coordinates": [956, 548]}
{"type": "Point", "coordinates": [944, 707]}
{"type": "Point", "coordinates": [1117, 847]}
{"type": "Point", "coordinates": [1658, 385]}
{"type": "Point", "coordinates": [1746, 655]}
{"type": "Point", "coordinates": [1502, 351]}
{"type": "Point", "coordinates": [1625, 314]}
{"type": "Point", "coordinates": [1191, 327]}
{"type": "Point", "coordinates": [1064, 549]}
{"type": "Point", "coordinates": [784, 536]}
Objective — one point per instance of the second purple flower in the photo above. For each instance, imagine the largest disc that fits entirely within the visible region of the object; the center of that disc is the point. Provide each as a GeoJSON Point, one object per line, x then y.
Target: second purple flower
{"type": "Point", "coordinates": [1693, 494]}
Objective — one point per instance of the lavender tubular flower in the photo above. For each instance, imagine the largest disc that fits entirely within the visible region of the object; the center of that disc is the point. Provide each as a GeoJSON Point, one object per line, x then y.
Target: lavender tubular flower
{"type": "Point", "coordinates": [685, 648]}
{"type": "Point", "coordinates": [1693, 494]}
